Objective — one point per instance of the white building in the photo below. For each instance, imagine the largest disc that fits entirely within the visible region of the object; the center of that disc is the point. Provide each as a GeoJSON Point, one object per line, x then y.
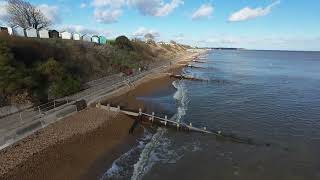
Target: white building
{"type": "Point", "coordinates": [86, 37]}
{"type": "Point", "coordinates": [65, 35]}
{"type": "Point", "coordinates": [76, 36]}
{"type": "Point", "coordinates": [18, 31]}
{"type": "Point", "coordinates": [95, 39]}
{"type": "Point", "coordinates": [31, 32]}
{"type": "Point", "coordinates": [43, 33]}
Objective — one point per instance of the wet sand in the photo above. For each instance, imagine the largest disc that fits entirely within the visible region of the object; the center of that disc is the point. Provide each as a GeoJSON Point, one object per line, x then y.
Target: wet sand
{"type": "Point", "coordinates": [84, 145]}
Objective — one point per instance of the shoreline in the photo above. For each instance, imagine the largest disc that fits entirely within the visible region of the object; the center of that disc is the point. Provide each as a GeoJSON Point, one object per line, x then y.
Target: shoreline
{"type": "Point", "coordinates": [67, 150]}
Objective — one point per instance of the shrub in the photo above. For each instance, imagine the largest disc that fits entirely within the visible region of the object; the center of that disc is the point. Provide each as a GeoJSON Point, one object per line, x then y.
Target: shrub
{"type": "Point", "coordinates": [63, 87]}
{"type": "Point", "coordinates": [52, 69]}
{"type": "Point", "coordinates": [122, 42]}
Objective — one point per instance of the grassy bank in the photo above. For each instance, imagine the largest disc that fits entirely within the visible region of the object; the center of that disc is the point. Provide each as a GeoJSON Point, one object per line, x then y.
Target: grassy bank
{"type": "Point", "coordinates": [36, 70]}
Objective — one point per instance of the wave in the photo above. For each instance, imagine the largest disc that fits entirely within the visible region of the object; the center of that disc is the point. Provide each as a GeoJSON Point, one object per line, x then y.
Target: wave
{"type": "Point", "coordinates": [181, 97]}
{"type": "Point", "coordinates": [123, 166]}
{"type": "Point", "coordinates": [152, 149]}
{"type": "Point", "coordinates": [157, 150]}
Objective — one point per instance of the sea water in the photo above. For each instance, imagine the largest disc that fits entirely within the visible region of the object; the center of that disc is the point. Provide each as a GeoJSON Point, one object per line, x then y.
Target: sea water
{"type": "Point", "coordinates": [269, 97]}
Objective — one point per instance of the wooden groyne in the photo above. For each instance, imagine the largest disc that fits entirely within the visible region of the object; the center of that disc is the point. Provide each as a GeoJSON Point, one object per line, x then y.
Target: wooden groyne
{"type": "Point", "coordinates": [195, 67]}
{"type": "Point", "coordinates": [153, 119]}
{"type": "Point", "coordinates": [142, 117]}
{"type": "Point", "coordinates": [197, 61]}
{"type": "Point", "coordinates": [177, 76]}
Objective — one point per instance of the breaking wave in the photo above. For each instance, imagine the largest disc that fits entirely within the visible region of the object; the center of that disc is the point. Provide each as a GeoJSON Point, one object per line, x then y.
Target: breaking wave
{"type": "Point", "coordinates": [152, 149]}
{"type": "Point", "coordinates": [158, 149]}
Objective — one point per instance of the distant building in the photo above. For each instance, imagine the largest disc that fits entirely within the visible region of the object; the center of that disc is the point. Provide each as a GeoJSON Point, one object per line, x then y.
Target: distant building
{"type": "Point", "coordinates": [18, 31]}
{"type": "Point", "coordinates": [76, 36]}
{"type": "Point", "coordinates": [102, 40]}
{"type": "Point", "coordinates": [43, 33]}
{"type": "Point", "coordinates": [31, 32]}
{"type": "Point", "coordinates": [53, 34]}
{"type": "Point", "coordinates": [65, 35]}
{"type": "Point", "coordinates": [95, 39]}
{"type": "Point", "coordinates": [86, 37]}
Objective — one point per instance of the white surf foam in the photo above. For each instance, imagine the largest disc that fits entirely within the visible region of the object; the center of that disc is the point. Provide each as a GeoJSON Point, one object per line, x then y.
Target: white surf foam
{"type": "Point", "coordinates": [122, 167]}
{"type": "Point", "coordinates": [158, 149]}
{"type": "Point", "coordinates": [181, 97]}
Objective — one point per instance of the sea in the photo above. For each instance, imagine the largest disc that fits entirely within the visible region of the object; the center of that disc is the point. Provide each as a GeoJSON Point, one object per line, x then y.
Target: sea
{"type": "Point", "coordinates": [265, 104]}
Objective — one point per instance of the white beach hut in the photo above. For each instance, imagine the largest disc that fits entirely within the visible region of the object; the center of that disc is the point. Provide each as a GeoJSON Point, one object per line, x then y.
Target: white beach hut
{"type": "Point", "coordinates": [31, 32]}
{"type": "Point", "coordinates": [66, 35]}
{"type": "Point", "coordinates": [10, 31]}
{"type": "Point", "coordinates": [95, 39]}
{"type": "Point", "coordinates": [43, 33]}
{"type": "Point", "coordinates": [86, 37]}
{"type": "Point", "coordinates": [76, 36]}
{"type": "Point", "coordinates": [18, 31]}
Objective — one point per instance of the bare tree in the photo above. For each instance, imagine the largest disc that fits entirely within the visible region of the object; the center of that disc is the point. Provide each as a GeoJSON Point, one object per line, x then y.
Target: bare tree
{"type": "Point", "coordinates": [149, 36]}
{"type": "Point", "coordinates": [26, 15]}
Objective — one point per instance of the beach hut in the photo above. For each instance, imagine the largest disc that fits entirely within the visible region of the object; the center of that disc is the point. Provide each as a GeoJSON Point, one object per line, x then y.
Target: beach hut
{"type": "Point", "coordinates": [53, 34]}
{"type": "Point", "coordinates": [31, 32]}
{"type": "Point", "coordinates": [18, 31]}
{"type": "Point", "coordinates": [86, 37]}
{"type": "Point", "coordinates": [4, 30]}
{"type": "Point", "coordinates": [76, 36]}
{"type": "Point", "coordinates": [65, 35]}
{"type": "Point", "coordinates": [10, 31]}
{"type": "Point", "coordinates": [95, 39]}
{"type": "Point", "coordinates": [43, 33]}
{"type": "Point", "coordinates": [102, 40]}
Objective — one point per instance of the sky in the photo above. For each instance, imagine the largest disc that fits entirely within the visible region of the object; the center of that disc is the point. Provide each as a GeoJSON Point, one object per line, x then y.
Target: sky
{"type": "Point", "coordinates": [251, 24]}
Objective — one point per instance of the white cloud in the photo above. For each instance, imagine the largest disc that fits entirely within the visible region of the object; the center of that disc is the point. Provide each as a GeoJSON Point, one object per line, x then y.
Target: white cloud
{"type": "Point", "coordinates": [83, 5]}
{"type": "Point", "coordinates": [109, 3]}
{"type": "Point", "coordinates": [84, 30]}
{"type": "Point", "coordinates": [50, 12]}
{"type": "Point", "coordinates": [249, 13]}
{"type": "Point", "coordinates": [107, 16]}
{"type": "Point", "coordinates": [141, 31]}
{"type": "Point", "coordinates": [155, 7]}
{"type": "Point", "coordinates": [180, 37]}
{"type": "Point", "coordinates": [3, 10]}
{"type": "Point", "coordinates": [108, 11]}
{"type": "Point", "coordinates": [205, 11]}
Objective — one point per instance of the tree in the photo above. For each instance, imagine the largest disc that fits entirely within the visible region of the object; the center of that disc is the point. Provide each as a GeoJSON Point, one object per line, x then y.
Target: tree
{"type": "Point", "coordinates": [149, 36]}
{"type": "Point", "coordinates": [14, 78]}
{"type": "Point", "coordinates": [122, 42]}
{"type": "Point", "coordinates": [26, 15]}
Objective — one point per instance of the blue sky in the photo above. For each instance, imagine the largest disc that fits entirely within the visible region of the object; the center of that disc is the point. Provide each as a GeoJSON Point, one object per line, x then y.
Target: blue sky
{"type": "Point", "coordinates": [253, 24]}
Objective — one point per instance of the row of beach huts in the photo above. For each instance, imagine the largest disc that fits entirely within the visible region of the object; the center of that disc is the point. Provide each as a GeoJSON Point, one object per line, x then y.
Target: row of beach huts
{"type": "Point", "coordinates": [43, 33]}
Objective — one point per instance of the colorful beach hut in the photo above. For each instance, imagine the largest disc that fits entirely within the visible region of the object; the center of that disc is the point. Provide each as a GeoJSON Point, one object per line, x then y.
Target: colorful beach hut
{"type": "Point", "coordinates": [31, 32]}
{"type": "Point", "coordinates": [86, 38]}
{"type": "Point", "coordinates": [95, 39]}
{"type": "Point", "coordinates": [102, 40]}
{"type": "Point", "coordinates": [4, 30]}
{"type": "Point", "coordinates": [53, 34]}
{"type": "Point", "coordinates": [18, 31]}
{"type": "Point", "coordinates": [76, 36]}
{"type": "Point", "coordinates": [43, 33]}
{"type": "Point", "coordinates": [65, 35]}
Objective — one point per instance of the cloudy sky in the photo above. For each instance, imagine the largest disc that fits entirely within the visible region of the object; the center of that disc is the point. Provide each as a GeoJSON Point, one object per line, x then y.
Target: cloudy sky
{"type": "Point", "coordinates": [252, 24]}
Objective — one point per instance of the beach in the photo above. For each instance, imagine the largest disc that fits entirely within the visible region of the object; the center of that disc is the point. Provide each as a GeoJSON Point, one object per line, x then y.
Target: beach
{"type": "Point", "coordinates": [84, 145]}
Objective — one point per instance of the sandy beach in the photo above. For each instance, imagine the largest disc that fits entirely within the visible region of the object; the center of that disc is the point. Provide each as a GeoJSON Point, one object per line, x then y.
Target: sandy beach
{"type": "Point", "coordinates": [85, 144]}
